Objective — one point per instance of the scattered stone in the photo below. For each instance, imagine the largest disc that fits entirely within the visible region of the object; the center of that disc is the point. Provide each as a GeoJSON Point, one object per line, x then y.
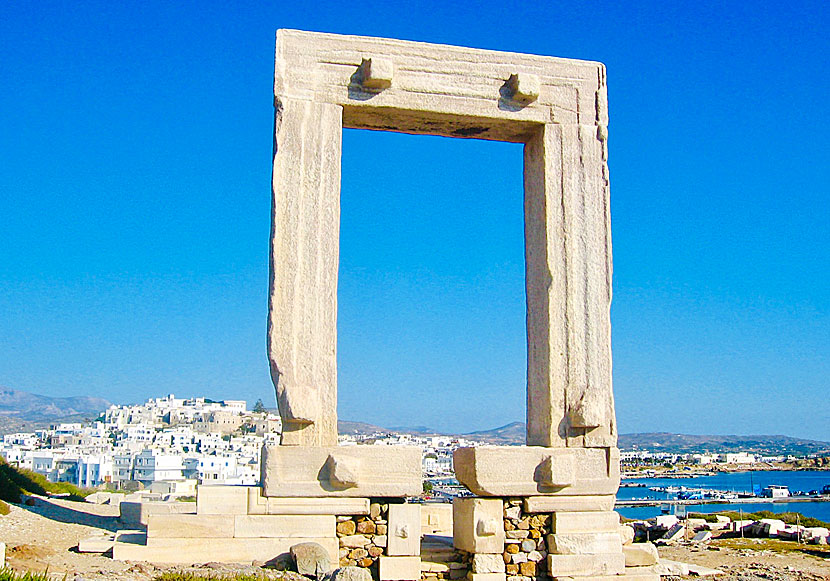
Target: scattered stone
{"type": "Point", "coordinates": [640, 554]}
{"type": "Point", "coordinates": [311, 559]}
{"type": "Point", "coordinates": [381, 529]}
{"type": "Point", "coordinates": [375, 552]}
{"type": "Point", "coordinates": [380, 540]}
{"type": "Point", "coordinates": [528, 545]}
{"type": "Point", "coordinates": [374, 510]}
{"type": "Point", "coordinates": [358, 554]}
{"type": "Point", "coordinates": [346, 528]}
{"type": "Point", "coordinates": [512, 569]}
{"type": "Point", "coordinates": [366, 527]}
{"type": "Point", "coordinates": [517, 534]}
{"type": "Point", "coordinates": [528, 569]}
{"type": "Point", "coordinates": [349, 573]}
{"type": "Point", "coordinates": [535, 556]}
{"type": "Point", "coordinates": [355, 541]}
{"type": "Point", "coordinates": [519, 558]}
{"type": "Point", "coordinates": [512, 548]}
{"type": "Point", "coordinates": [512, 512]}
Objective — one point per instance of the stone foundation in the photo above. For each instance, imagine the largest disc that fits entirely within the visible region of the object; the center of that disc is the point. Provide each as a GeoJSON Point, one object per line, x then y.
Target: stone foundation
{"type": "Point", "coordinates": [508, 542]}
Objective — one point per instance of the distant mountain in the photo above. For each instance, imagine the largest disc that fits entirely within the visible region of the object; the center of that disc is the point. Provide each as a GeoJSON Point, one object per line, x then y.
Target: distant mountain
{"type": "Point", "coordinates": [514, 434]}
{"type": "Point", "coordinates": [684, 443]}
{"type": "Point", "coordinates": [24, 411]}
{"type": "Point", "coordinates": [358, 428]}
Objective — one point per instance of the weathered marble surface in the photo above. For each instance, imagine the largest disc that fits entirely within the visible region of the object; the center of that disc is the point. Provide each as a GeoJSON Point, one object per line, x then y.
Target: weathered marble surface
{"type": "Point", "coordinates": [376, 471]}
{"type": "Point", "coordinates": [557, 107]}
{"type": "Point", "coordinates": [535, 470]}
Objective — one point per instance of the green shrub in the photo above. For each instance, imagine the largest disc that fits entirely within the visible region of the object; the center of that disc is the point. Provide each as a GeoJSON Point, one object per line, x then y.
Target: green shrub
{"type": "Point", "coordinates": [17, 481]}
{"type": "Point", "coordinates": [704, 515]}
{"type": "Point", "coordinates": [7, 574]}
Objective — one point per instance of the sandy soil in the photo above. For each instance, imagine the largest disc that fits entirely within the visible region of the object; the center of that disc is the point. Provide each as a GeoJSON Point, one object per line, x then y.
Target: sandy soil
{"type": "Point", "coordinates": [44, 537]}
{"type": "Point", "coordinates": [754, 560]}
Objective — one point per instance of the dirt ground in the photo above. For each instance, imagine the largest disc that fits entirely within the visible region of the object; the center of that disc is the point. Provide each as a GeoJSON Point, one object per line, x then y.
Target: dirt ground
{"type": "Point", "coordinates": [45, 537]}
{"type": "Point", "coordinates": [755, 559]}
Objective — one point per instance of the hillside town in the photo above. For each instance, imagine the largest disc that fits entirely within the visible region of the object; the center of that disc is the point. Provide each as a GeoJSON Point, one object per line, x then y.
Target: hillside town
{"type": "Point", "coordinates": [170, 439]}
{"type": "Point", "coordinates": [197, 440]}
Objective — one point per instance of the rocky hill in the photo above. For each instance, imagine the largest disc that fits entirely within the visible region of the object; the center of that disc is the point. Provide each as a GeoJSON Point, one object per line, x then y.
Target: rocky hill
{"type": "Point", "coordinates": [24, 411]}
{"type": "Point", "coordinates": [514, 434]}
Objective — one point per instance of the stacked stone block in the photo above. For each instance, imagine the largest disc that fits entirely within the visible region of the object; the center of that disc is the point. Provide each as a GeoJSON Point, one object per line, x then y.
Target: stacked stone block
{"type": "Point", "coordinates": [525, 547]}
{"type": "Point", "coordinates": [233, 525]}
{"type": "Point", "coordinates": [363, 539]}
{"type": "Point", "coordinates": [535, 538]}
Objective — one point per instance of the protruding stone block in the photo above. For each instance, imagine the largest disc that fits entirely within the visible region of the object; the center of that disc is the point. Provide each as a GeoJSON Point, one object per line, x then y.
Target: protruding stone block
{"type": "Point", "coordinates": [531, 470]}
{"type": "Point", "coordinates": [557, 472]}
{"type": "Point", "coordinates": [399, 568]}
{"type": "Point", "coordinates": [343, 470]}
{"type": "Point", "coordinates": [384, 471]}
{"type": "Point", "coordinates": [524, 87]}
{"type": "Point", "coordinates": [478, 525]}
{"type": "Point", "coordinates": [547, 504]}
{"type": "Point", "coordinates": [222, 499]}
{"type": "Point", "coordinates": [404, 530]}
{"type": "Point", "coordinates": [585, 522]}
{"type": "Point", "coordinates": [376, 73]}
{"type": "Point", "coordinates": [584, 565]}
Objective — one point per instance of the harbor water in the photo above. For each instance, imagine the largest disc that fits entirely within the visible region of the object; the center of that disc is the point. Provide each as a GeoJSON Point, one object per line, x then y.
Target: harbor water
{"type": "Point", "coordinates": [738, 482]}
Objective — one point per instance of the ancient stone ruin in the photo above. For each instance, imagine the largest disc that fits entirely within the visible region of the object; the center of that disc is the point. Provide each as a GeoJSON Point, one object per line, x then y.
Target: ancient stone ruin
{"type": "Point", "coordinates": [541, 510]}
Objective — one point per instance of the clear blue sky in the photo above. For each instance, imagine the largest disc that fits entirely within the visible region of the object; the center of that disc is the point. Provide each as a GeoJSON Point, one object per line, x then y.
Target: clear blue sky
{"type": "Point", "coordinates": [135, 153]}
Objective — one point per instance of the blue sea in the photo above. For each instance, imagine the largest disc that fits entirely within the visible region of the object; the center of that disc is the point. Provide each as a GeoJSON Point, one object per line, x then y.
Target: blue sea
{"type": "Point", "coordinates": [735, 482]}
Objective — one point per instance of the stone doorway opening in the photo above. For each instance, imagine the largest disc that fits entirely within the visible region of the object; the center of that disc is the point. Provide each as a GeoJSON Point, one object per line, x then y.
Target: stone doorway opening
{"type": "Point", "coordinates": [431, 285]}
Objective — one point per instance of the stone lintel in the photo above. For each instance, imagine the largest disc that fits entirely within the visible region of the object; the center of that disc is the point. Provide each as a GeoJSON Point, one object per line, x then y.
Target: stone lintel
{"type": "Point", "coordinates": [526, 470]}
{"type": "Point", "coordinates": [300, 471]}
{"type": "Point", "coordinates": [468, 89]}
